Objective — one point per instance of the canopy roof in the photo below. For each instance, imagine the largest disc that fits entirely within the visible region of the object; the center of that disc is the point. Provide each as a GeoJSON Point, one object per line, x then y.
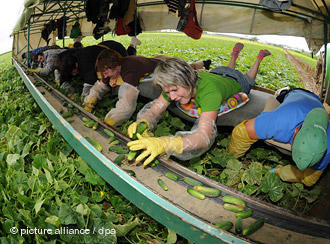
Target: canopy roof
{"type": "Point", "coordinates": [304, 18]}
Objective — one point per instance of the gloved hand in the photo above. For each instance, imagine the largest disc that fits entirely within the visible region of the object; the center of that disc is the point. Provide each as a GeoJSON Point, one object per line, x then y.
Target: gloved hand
{"type": "Point", "coordinates": [109, 121]}
{"type": "Point", "coordinates": [33, 70]}
{"type": "Point", "coordinates": [89, 103]}
{"type": "Point", "coordinates": [311, 176]}
{"type": "Point", "coordinates": [132, 128]}
{"type": "Point", "coordinates": [240, 141]}
{"type": "Point", "coordinates": [291, 173]}
{"type": "Point", "coordinates": [155, 146]}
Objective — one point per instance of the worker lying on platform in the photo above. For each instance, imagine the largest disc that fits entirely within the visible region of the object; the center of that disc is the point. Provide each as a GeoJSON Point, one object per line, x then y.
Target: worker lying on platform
{"type": "Point", "coordinates": [299, 119]}
{"type": "Point", "coordinates": [125, 72]}
{"type": "Point", "coordinates": [47, 61]}
{"type": "Point", "coordinates": [180, 83]}
{"type": "Point", "coordinates": [81, 62]}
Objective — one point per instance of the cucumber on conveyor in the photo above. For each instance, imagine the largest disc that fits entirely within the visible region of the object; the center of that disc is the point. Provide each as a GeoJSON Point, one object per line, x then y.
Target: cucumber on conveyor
{"type": "Point", "coordinates": [208, 191]}
{"type": "Point", "coordinates": [131, 155]}
{"type": "Point", "coordinates": [224, 225]}
{"type": "Point", "coordinates": [238, 226]}
{"type": "Point", "coordinates": [162, 184]}
{"type": "Point", "coordinates": [244, 214]}
{"type": "Point", "coordinates": [141, 127]}
{"type": "Point", "coordinates": [234, 200]}
{"type": "Point", "coordinates": [233, 208]}
{"type": "Point", "coordinates": [94, 144]}
{"type": "Point", "coordinates": [172, 176]}
{"type": "Point", "coordinates": [253, 227]}
{"type": "Point", "coordinates": [191, 181]}
{"type": "Point", "coordinates": [196, 194]}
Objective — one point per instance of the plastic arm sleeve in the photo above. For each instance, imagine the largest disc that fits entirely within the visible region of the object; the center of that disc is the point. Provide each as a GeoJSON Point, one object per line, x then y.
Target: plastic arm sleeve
{"type": "Point", "coordinates": [198, 140]}
{"type": "Point", "coordinates": [126, 104]}
{"type": "Point", "coordinates": [152, 111]}
{"type": "Point", "coordinates": [96, 93]}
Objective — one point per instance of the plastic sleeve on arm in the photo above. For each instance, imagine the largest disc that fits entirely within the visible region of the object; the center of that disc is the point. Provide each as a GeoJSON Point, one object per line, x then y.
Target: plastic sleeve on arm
{"type": "Point", "coordinates": [152, 111]}
{"type": "Point", "coordinates": [126, 104]}
{"type": "Point", "coordinates": [198, 140]}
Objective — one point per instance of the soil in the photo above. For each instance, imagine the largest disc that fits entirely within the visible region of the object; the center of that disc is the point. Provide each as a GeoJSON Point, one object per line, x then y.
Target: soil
{"type": "Point", "coordinates": [321, 210]}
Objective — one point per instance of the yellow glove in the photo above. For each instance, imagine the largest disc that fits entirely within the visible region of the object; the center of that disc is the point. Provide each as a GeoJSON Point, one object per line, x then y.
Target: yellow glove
{"type": "Point", "coordinates": [240, 141]}
{"type": "Point", "coordinates": [33, 70]}
{"type": "Point", "coordinates": [109, 121]}
{"type": "Point", "coordinates": [289, 173]}
{"type": "Point", "coordinates": [132, 127]}
{"type": "Point", "coordinates": [58, 82]}
{"type": "Point", "coordinates": [89, 103]}
{"type": "Point", "coordinates": [155, 146]}
{"type": "Point", "coordinates": [311, 176]}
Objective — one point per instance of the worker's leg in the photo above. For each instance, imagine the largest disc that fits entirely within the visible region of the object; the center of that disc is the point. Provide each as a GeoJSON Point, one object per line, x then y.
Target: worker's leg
{"type": "Point", "coordinates": [252, 73]}
{"type": "Point", "coordinates": [234, 55]}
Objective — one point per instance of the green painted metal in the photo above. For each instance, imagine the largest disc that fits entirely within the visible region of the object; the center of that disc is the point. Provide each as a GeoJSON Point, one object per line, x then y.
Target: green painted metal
{"type": "Point", "coordinates": [164, 212]}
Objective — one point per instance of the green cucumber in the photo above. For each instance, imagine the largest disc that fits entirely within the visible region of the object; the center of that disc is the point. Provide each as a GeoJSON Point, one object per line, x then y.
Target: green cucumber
{"type": "Point", "coordinates": [172, 176]}
{"type": "Point", "coordinates": [253, 227]}
{"type": "Point", "coordinates": [109, 132]}
{"type": "Point", "coordinates": [208, 191]}
{"type": "Point", "coordinates": [131, 155]}
{"type": "Point", "coordinates": [115, 142]}
{"type": "Point", "coordinates": [233, 208]}
{"type": "Point", "coordinates": [118, 149]}
{"type": "Point", "coordinates": [233, 200]}
{"type": "Point", "coordinates": [94, 144]}
{"type": "Point", "coordinates": [119, 159]}
{"type": "Point", "coordinates": [155, 163]}
{"type": "Point", "coordinates": [95, 125]}
{"type": "Point", "coordinates": [244, 214]}
{"type": "Point", "coordinates": [85, 120]}
{"type": "Point", "coordinates": [196, 194]}
{"type": "Point", "coordinates": [191, 181]}
{"type": "Point", "coordinates": [130, 172]}
{"type": "Point", "coordinates": [67, 114]}
{"type": "Point", "coordinates": [162, 184]}
{"type": "Point", "coordinates": [141, 127]}
{"type": "Point", "coordinates": [238, 226]}
{"type": "Point", "coordinates": [70, 121]}
{"type": "Point", "coordinates": [224, 225]}
{"type": "Point", "coordinates": [89, 124]}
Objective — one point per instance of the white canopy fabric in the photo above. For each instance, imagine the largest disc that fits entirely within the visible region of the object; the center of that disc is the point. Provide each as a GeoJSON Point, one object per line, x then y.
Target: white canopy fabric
{"type": "Point", "coordinates": [305, 18]}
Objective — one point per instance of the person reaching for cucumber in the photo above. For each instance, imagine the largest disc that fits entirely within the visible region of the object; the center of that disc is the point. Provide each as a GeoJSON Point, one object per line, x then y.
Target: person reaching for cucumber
{"type": "Point", "coordinates": [180, 83]}
{"type": "Point", "coordinates": [297, 118]}
{"type": "Point", "coordinates": [125, 72]}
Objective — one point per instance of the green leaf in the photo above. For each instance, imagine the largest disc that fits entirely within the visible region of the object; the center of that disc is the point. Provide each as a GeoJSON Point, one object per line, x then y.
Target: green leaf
{"type": "Point", "coordinates": [162, 130]}
{"type": "Point", "coordinates": [177, 123]}
{"type": "Point", "coordinates": [38, 205]}
{"type": "Point", "coordinates": [48, 176]}
{"type": "Point", "coordinates": [12, 159]}
{"type": "Point", "coordinates": [82, 209]}
{"type": "Point", "coordinates": [250, 189]}
{"type": "Point", "coordinates": [93, 178]}
{"type": "Point", "coordinates": [253, 175]}
{"type": "Point", "coordinates": [122, 230]}
{"type": "Point", "coordinates": [272, 185]}
{"type": "Point", "coordinates": [171, 237]}
{"type": "Point", "coordinates": [54, 220]}
{"type": "Point", "coordinates": [42, 128]}
{"type": "Point", "coordinates": [66, 215]}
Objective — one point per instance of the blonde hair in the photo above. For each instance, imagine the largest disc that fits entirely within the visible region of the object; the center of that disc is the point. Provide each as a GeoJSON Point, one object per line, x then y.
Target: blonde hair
{"type": "Point", "coordinates": [175, 71]}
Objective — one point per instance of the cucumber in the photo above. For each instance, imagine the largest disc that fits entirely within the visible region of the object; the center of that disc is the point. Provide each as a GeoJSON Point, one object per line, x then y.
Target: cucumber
{"type": "Point", "coordinates": [67, 114]}
{"type": "Point", "coordinates": [234, 200]}
{"type": "Point", "coordinates": [70, 121]}
{"type": "Point", "coordinates": [191, 181]}
{"type": "Point", "coordinates": [95, 125]}
{"type": "Point", "coordinates": [130, 172]}
{"type": "Point", "coordinates": [155, 163]}
{"type": "Point", "coordinates": [140, 129]}
{"type": "Point", "coordinates": [172, 176]}
{"type": "Point", "coordinates": [196, 194]}
{"type": "Point", "coordinates": [208, 191]}
{"type": "Point", "coordinates": [238, 226]}
{"type": "Point", "coordinates": [253, 227]}
{"type": "Point", "coordinates": [131, 155]}
{"type": "Point", "coordinates": [118, 149]}
{"type": "Point", "coordinates": [94, 144]}
{"type": "Point", "coordinates": [89, 124]}
{"type": "Point", "coordinates": [162, 184]}
{"type": "Point", "coordinates": [224, 225]}
{"type": "Point", "coordinates": [115, 142]}
{"type": "Point", "coordinates": [233, 208]}
{"type": "Point", "coordinates": [85, 120]}
{"type": "Point", "coordinates": [244, 214]}
{"type": "Point", "coordinates": [119, 159]}
{"type": "Point", "coordinates": [109, 132]}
